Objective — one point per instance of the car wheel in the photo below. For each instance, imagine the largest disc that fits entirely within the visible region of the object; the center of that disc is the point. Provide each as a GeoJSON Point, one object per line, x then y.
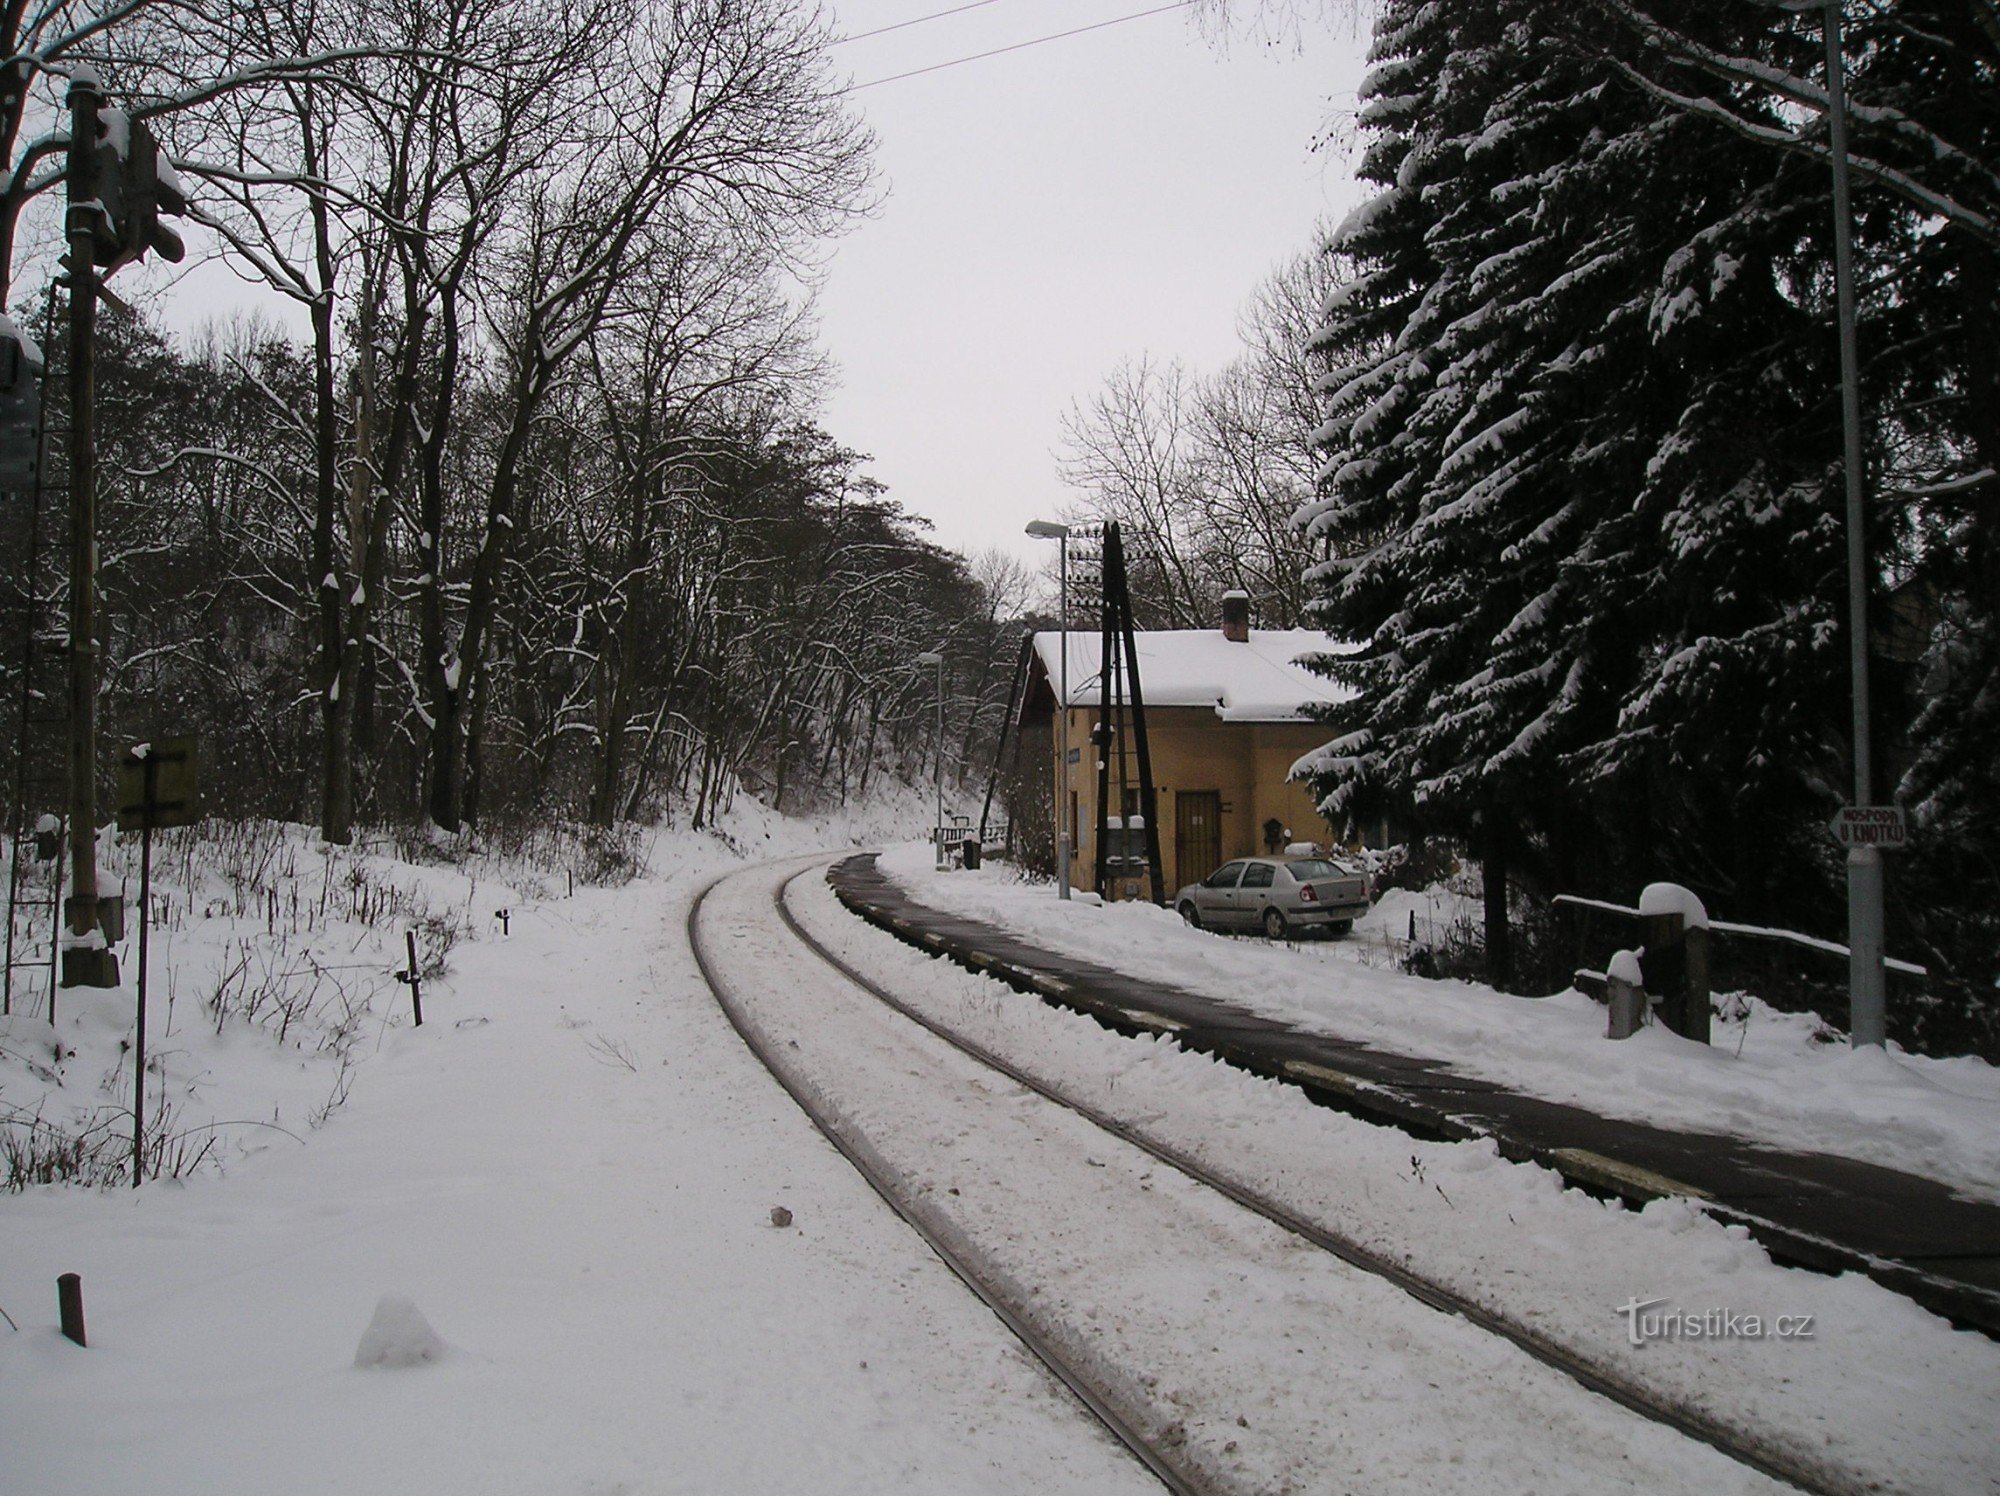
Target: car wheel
{"type": "Point", "coordinates": [1191, 914]}
{"type": "Point", "coordinates": [1274, 923]}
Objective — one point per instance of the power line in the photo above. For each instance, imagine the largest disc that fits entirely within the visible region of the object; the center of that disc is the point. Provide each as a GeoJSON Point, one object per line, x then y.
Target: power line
{"type": "Point", "coordinates": [936, 15]}
{"type": "Point", "coordinates": [1137, 15]}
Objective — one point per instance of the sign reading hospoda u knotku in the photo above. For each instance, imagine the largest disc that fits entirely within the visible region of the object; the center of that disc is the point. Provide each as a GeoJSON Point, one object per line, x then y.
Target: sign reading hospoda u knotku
{"type": "Point", "coordinates": [1869, 826]}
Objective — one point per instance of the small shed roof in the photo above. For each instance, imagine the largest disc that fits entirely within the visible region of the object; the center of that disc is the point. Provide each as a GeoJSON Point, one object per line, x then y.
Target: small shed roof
{"type": "Point", "coordinates": [1261, 680]}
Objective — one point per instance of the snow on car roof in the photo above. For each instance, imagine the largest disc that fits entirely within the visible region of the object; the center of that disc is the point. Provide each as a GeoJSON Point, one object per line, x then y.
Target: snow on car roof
{"type": "Point", "coordinates": [1262, 680]}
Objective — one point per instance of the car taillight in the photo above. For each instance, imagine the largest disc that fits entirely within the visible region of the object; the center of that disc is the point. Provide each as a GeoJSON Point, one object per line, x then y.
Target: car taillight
{"type": "Point", "coordinates": [1308, 894]}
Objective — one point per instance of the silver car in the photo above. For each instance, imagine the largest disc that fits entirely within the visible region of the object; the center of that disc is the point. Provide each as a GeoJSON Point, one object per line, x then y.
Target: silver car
{"type": "Point", "coordinates": [1282, 896]}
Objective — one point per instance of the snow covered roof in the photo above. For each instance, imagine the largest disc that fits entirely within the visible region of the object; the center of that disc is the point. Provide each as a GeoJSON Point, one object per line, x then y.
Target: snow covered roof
{"type": "Point", "coordinates": [1258, 681]}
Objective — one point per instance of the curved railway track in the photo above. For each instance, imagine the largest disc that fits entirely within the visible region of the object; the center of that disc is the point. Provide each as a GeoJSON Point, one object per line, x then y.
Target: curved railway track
{"type": "Point", "coordinates": [882, 1180]}
{"type": "Point", "coordinates": [1736, 1444]}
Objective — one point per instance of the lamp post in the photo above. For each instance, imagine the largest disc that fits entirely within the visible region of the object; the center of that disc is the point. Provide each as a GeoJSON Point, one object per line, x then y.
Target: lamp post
{"type": "Point", "coordinates": [933, 657]}
{"type": "Point", "coordinates": [1043, 529]}
{"type": "Point", "coordinates": [1866, 1018]}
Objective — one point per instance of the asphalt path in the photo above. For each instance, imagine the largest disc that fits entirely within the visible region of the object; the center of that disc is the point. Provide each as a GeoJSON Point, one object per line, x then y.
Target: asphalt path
{"type": "Point", "coordinates": [1814, 1209]}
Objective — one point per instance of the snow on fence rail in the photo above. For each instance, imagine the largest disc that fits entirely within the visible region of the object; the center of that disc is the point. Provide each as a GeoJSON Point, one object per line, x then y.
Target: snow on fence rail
{"type": "Point", "coordinates": [1722, 926]}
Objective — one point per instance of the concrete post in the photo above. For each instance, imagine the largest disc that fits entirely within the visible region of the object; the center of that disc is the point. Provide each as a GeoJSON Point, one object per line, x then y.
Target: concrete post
{"type": "Point", "coordinates": [1627, 995]}
{"type": "Point", "coordinates": [1867, 984]}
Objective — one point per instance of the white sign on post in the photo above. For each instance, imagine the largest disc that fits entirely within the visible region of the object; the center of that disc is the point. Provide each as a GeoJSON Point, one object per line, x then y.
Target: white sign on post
{"type": "Point", "coordinates": [1869, 826]}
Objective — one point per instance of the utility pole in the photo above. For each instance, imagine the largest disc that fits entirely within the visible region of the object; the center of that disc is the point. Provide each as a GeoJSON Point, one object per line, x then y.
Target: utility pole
{"type": "Point", "coordinates": [1043, 529]}
{"type": "Point", "coordinates": [1064, 852]}
{"type": "Point", "coordinates": [85, 965]}
{"type": "Point", "coordinates": [935, 658]}
{"type": "Point", "coordinates": [1122, 704]}
{"type": "Point", "coordinates": [1866, 982]}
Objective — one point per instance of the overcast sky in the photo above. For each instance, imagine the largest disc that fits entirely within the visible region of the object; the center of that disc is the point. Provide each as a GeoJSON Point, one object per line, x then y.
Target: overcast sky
{"type": "Point", "coordinates": [1047, 213]}
{"type": "Point", "coordinates": [1050, 212]}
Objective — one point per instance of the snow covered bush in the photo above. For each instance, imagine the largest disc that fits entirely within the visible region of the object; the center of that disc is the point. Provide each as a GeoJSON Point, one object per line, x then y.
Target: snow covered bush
{"type": "Point", "coordinates": [1414, 865]}
{"type": "Point", "coordinates": [272, 966]}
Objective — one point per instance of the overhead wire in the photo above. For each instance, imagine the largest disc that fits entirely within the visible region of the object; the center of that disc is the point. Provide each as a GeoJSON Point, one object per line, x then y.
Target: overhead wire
{"type": "Point", "coordinates": [1137, 15]}
{"type": "Point", "coordinates": [936, 15]}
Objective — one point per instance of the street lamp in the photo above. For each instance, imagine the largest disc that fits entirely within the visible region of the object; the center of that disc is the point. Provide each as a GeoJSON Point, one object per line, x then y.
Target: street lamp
{"type": "Point", "coordinates": [932, 657]}
{"type": "Point", "coordinates": [1866, 1018]}
{"type": "Point", "coordinates": [1044, 529]}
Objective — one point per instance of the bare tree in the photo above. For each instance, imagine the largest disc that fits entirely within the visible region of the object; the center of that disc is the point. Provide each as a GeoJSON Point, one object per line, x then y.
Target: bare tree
{"type": "Point", "coordinates": [700, 110]}
{"type": "Point", "coordinates": [1206, 474]}
{"type": "Point", "coordinates": [1133, 452]}
{"type": "Point", "coordinates": [705, 329]}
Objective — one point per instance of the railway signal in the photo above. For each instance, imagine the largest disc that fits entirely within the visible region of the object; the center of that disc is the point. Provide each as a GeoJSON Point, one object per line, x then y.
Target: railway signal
{"type": "Point", "coordinates": [118, 188]}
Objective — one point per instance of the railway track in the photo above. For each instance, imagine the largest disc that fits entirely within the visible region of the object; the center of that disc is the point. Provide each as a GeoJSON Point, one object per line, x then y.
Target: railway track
{"type": "Point", "coordinates": [945, 1243]}
{"type": "Point", "coordinates": [1133, 1427]}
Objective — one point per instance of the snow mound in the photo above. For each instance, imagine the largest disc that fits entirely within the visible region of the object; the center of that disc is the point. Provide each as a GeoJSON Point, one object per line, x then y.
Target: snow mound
{"type": "Point", "coordinates": [398, 1335]}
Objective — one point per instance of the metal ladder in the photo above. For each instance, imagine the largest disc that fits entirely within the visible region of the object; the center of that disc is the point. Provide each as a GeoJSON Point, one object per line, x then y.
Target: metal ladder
{"type": "Point", "coordinates": [36, 532]}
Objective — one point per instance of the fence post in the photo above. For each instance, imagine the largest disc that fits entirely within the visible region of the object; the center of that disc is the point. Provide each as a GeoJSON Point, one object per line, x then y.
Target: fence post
{"type": "Point", "coordinates": [1664, 961]}
{"type": "Point", "coordinates": [411, 979]}
{"type": "Point", "coordinates": [1675, 929]}
{"type": "Point", "coordinates": [69, 1306]}
{"type": "Point", "coordinates": [1696, 1012]}
{"type": "Point", "coordinates": [1627, 996]}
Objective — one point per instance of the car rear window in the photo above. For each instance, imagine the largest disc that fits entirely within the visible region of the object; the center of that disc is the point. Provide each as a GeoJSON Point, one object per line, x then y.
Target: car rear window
{"type": "Point", "coordinates": [1306, 871]}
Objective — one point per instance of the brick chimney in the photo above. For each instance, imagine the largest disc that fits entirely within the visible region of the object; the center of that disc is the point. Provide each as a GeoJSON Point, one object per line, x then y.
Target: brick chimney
{"type": "Point", "coordinates": [1236, 616]}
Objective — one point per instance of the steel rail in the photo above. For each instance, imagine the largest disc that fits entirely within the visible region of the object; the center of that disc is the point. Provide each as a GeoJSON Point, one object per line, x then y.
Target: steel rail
{"type": "Point", "coordinates": [877, 1175]}
{"type": "Point", "coordinates": [1689, 1422]}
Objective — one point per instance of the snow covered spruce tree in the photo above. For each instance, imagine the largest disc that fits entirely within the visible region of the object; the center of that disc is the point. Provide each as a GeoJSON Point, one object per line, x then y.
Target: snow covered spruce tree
{"type": "Point", "coordinates": [1924, 143]}
{"type": "Point", "coordinates": [1578, 491]}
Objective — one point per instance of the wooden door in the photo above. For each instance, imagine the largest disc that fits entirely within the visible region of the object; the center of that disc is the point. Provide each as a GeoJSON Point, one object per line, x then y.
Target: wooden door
{"type": "Point", "coordinates": [1197, 834]}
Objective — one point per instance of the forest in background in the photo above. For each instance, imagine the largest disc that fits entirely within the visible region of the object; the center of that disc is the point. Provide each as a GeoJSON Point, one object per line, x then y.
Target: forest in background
{"type": "Point", "coordinates": [536, 519]}
{"type": "Point", "coordinates": [746, 618]}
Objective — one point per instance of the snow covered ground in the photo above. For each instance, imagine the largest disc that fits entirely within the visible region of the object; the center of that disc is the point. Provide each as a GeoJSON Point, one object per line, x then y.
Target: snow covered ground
{"type": "Point", "coordinates": [1272, 1366]}
{"type": "Point", "coordinates": [1767, 1075]}
{"type": "Point", "coordinates": [1881, 1391]}
{"type": "Point", "coordinates": [570, 1175]}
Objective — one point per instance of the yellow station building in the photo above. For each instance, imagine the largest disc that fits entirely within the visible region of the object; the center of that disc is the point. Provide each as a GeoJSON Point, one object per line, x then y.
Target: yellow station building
{"type": "Point", "coordinates": [1226, 719]}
